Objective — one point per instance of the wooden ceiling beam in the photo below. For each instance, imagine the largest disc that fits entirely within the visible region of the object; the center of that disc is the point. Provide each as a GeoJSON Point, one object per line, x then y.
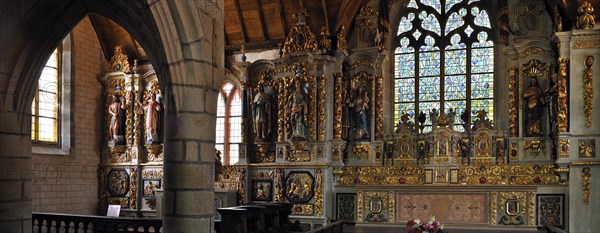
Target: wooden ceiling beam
{"type": "Point", "coordinates": [282, 18]}
{"type": "Point", "coordinates": [262, 20]}
{"type": "Point", "coordinates": [325, 14]}
{"type": "Point", "coordinates": [239, 13]}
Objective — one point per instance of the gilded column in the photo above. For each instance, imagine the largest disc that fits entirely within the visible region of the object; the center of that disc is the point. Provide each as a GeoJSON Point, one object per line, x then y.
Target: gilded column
{"type": "Point", "coordinates": [588, 86]}
{"type": "Point", "coordinates": [379, 118]}
{"type": "Point", "coordinates": [281, 126]}
{"type": "Point", "coordinates": [337, 117]}
{"type": "Point", "coordinates": [563, 119]}
{"type": "Point", "coordinates": [312, 108]}
{"type": "Point", "coordinates": [322, 109]}
{"type": "Point", "coordinates": [512, 102]}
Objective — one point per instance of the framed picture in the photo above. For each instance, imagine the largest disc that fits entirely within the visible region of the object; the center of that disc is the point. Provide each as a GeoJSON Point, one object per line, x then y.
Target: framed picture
{"type": "Point", "coordinates": [150, 187]}
{"type": "Point", "coordinates": [551, 210]}
{"type": "Point", "coordinates": [262, 190]}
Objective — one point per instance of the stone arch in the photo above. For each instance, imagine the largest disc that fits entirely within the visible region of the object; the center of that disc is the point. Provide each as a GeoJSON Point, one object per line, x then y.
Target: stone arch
{"type": "Point", "coordinates": [177, 36]}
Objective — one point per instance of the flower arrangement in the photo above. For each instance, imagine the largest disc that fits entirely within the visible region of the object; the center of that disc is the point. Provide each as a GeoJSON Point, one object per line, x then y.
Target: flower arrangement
{"type": "Point", "coordinates": [432, 226]}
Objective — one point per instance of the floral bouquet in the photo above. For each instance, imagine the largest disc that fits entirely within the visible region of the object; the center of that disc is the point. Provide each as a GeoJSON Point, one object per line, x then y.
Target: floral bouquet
{"type": "Point", "coordinates": [433, 226]}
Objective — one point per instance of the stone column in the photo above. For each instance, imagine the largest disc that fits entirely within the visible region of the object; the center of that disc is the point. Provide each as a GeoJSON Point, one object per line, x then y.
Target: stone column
{"type": "Point", "coordinates": [15, 175]}
{"type": "Point", "coordinates": [193, 39]}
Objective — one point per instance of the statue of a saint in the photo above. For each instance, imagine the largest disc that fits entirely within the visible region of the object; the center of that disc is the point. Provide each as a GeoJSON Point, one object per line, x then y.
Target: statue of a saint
{"type": "Point", "coordinates": [533, 108]}
{"type": "Point", "coordinates": [218, 165]}
{"type": "Point", "coordinates": [433, 116]}
{"type": "Point", "coordinates": [151, 109]}
{"type": "Point", "coordinates": [451, 118]}
{"type": "Point", "coordinates": [115, 110]}
{"type": "Point", "coordinates": [261, 108]}
{"type": "Point", "coordinates": [299, 109]}
{"type": "Point", "coordinates": [551, 95]}
{"type": "Point", "coordinates": [361, 108]}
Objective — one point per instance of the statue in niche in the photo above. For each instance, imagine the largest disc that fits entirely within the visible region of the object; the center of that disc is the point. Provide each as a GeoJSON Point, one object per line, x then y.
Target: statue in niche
{"type": "Point", "coordinates": [152, 122]}
{"type": "Point", "coordinates": [551, 96]}
{"type": "Point", "coordinates": [299, 108]}
{"type": "Point", "coordinates": [346, 114]}
{"type": "Point", "coordinates": [533, 108]}
{"type": "Point", "coordinates": [261, 109]}
{"type": "Point", "coordinates": [115, 109]}
{"type": "Point", "coordinates": [361, 108]}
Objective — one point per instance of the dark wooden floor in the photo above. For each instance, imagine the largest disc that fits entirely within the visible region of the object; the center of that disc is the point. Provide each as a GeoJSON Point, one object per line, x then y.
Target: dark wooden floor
{"type": "Point", "coordinates": [447, 229]}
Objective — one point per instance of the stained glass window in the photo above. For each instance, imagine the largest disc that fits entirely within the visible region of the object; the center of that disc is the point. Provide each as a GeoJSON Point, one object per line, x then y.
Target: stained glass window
{"type": "Point", "coordinates": [45, 106]}
{"type": "Point", "coordinates": [229, 123]}
{"type": "Point", "coordinates": [443, 59]}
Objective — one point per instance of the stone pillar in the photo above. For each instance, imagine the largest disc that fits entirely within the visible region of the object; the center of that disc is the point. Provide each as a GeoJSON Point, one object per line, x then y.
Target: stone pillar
{"type": "Point", "coordinates": [193, 41]}
{"type": "Point", "coordinates": [15, 175]}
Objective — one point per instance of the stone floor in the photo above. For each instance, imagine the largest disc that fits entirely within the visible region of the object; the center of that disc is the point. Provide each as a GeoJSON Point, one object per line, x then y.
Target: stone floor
{"type": "Point", "coordinates": [448, 229]}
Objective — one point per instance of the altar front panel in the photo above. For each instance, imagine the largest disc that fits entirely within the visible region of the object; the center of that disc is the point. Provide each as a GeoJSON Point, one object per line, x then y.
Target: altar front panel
{"type": "Point", "coordinates": [470, 208]}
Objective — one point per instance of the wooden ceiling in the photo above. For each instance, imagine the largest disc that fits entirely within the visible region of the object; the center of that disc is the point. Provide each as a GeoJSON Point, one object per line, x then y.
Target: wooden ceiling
{"type": "Point", "coordinates": [267, 22]}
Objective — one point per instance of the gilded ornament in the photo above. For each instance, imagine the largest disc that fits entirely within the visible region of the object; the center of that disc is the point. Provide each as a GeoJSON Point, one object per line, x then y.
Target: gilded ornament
{"type": "Point", "coordinates": [562, 111]}
{"type": "Point", "coordinates": [241, 185]}
{"type": "Point", "coordinates": [514, 208]}
{"type": "Point", "coordinates": [586, 43]}
{"type": "Point", "coordinates": [133, 188]}
{"type": "Point", "coordinates": [586, 185]}
{"type": "Point", "coordinates": [297, 156]}
{"type": "Point", "coordinates": [376, 205]}
{"type": "Point", "coordinates": [227, 180]}
{"type": "Point", "coordinates": [535, 147]}
{"type": "Point", "coordinates": [341, 39]}
{"type": "Point", "coordinates": [585, 16]}
{"type": "Point", "coordinates": [300, 37]}
{"type": "Point", "coordinates": [587, 148]}
{"type": "Point", "coordinates": [322, 108]}
{"type": "Point", "coordinates": [588, 93]}
{"type": "Point", "coordinates": [379, 108]}
{"type": "Point", "coordinates": [558, 27]}
{"type": "Point", "coordinates": [318, 192]}
{"type": "Point", "coordinates": [365, 62]}
{"type": "Point", "coordinates": [536, 51]}
{"type": "Point", "coordinates": [366, 11]}
{"type": "Point", "coordinates": [302, 209]}
{"type": "Point", "coordinates": [119, 61]}
{"type": "Point", "coordinates": [359, 204]}
{"type": "Point", "coordinates": [361, 152]}
{"type": "Point", "coordinates": [512, 102]}
{"type": "Point", "coordinates": [564, 148]}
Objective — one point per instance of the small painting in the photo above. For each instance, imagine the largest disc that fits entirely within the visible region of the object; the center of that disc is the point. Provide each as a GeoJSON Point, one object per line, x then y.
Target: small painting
{"type": "Point", "coordinates": [262, 190]}
{"type": "Point", "coordinates": [150, 187]}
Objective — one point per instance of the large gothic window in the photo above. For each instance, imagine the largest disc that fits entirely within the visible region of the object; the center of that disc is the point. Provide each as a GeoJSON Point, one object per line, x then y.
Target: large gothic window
{"type": "Point", "coordinates": [444, 59]}
{"type": "Point", "coordinates": [229, 123]}
{"type": "Point", "coordinates": [45, 106]}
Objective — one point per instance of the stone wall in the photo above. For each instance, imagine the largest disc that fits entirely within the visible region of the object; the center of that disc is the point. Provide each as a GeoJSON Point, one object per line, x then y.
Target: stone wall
{"type": "Point", "coordinates": [68, 183]}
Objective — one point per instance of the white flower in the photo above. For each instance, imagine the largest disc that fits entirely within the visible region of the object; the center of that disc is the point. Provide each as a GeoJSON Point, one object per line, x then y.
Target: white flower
{"type": "Point", "coordinates": [418, 221]}
{"type": "Point", "coordinates": [430, 222]}
{"type": "Point", "coordinates": [442, 227]}
{"type": "Point", "coordinates": [433, 218]}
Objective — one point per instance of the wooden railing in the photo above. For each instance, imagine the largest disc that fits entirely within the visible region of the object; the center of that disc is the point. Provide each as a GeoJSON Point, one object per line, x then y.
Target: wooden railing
{"type": "Point", "coordinates": [51, 222]}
